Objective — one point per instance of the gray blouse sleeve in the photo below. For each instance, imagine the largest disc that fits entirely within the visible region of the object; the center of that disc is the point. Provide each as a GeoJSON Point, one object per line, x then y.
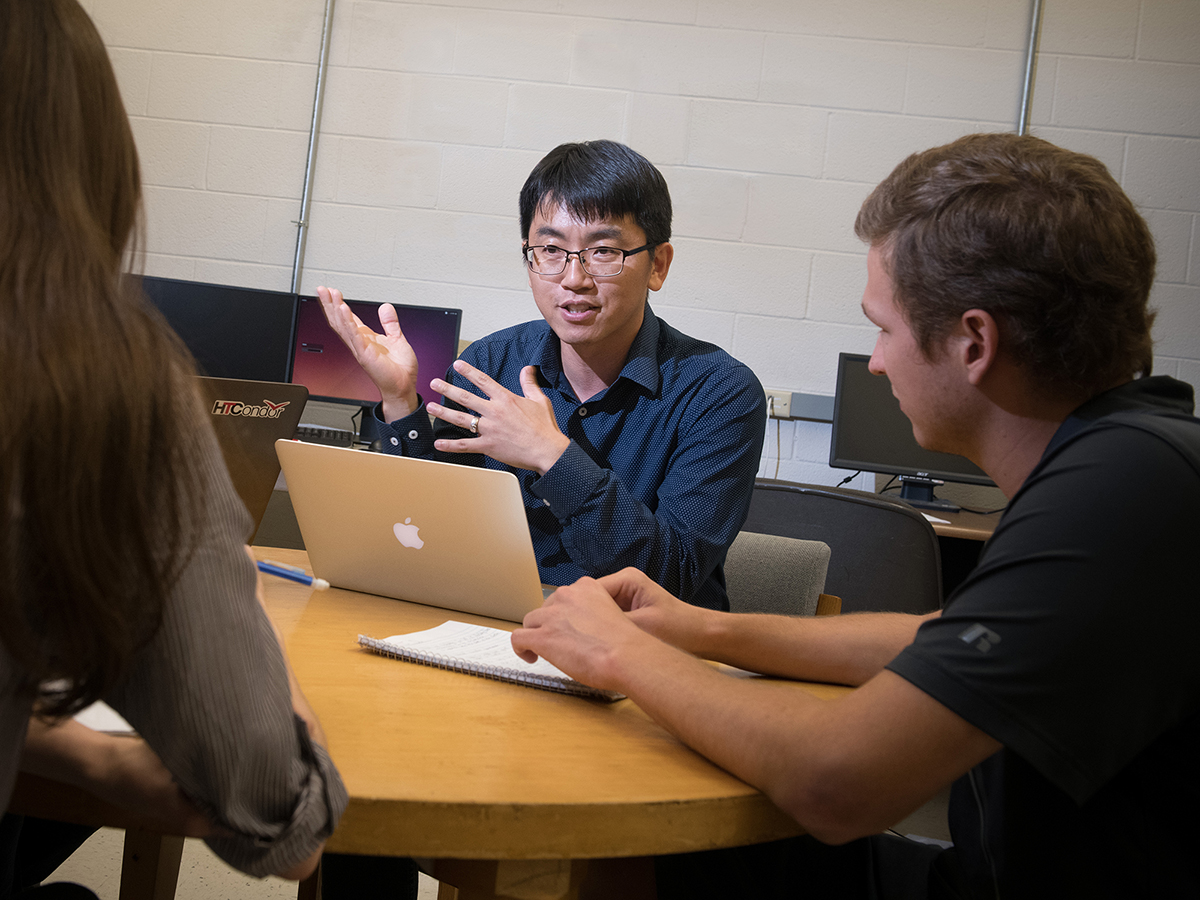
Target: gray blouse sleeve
{"type": "Point", "coordinates": [210, 694]}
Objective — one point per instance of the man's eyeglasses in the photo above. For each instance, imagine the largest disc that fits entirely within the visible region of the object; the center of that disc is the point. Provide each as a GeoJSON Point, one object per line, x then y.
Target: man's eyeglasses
{"type": "Point", "coordinates": [547, 259]}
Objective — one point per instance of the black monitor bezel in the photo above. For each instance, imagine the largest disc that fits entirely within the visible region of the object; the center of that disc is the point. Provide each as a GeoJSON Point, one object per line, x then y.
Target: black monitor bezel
{"type": "Point", "coordinates": [839, 460]}
{"type": "Point", "coordinates": [245, 375]}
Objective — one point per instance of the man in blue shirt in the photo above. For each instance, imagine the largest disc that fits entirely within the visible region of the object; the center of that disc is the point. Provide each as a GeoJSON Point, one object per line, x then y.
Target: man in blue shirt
{"type": "Point", "coordinates": [635, 444]}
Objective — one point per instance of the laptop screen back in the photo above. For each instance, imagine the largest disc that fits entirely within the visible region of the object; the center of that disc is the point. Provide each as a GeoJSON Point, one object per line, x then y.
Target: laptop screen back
{"type": "Point", "coordinates": [430, 532]}
{"type": "Point", "coordinates": [248, 417]}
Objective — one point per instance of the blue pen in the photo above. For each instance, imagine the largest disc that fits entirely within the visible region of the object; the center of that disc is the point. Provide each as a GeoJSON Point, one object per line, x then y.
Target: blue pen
{"type": "Point", "coordinates": [292, 574]}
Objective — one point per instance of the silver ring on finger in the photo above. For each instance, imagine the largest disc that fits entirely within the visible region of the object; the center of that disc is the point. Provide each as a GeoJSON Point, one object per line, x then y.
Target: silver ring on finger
{"type": "Point", "coordinates": [474, 426]}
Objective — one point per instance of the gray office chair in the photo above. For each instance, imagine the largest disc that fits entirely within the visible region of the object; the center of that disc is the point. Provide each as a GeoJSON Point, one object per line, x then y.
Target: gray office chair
{"type": "Point", "coordinates": [884, 554]}
{"type": "Point", "coordinates": [765, 573]}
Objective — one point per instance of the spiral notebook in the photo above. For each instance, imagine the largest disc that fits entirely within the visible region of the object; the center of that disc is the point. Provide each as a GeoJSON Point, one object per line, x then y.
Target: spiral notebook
{"type": "Point", "coordinates": [479, 650]}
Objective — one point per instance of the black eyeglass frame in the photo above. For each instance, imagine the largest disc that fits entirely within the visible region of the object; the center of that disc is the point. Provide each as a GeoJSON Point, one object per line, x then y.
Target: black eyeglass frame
{"type": "Point", "coordinates": [526, 249]}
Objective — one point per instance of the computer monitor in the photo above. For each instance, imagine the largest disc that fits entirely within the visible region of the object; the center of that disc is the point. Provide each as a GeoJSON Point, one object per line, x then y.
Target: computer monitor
{"type": "Point", "coordinates": [233, 332]}
{"type": "Point", "coordinates": [323, 364]}
{"type": "Point", "coordinates": [870, 432]}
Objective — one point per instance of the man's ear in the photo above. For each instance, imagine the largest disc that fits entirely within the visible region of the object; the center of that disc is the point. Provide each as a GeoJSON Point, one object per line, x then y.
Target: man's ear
{"type": "Point", "coordinates": [663, 254]}
{"type": "Point", "coordinates": [979, 343]}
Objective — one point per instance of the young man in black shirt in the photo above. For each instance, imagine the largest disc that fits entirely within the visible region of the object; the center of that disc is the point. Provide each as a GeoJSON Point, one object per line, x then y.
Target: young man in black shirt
{"type": "Point", "coordinates": [1058, 688]}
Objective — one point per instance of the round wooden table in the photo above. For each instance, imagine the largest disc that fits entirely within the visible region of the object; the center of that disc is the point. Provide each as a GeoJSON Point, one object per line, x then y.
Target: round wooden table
{"type": "Point", "coordinates": [457, 767]}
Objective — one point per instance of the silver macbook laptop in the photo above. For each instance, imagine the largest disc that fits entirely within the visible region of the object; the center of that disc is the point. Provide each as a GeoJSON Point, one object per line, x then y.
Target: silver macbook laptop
{"type": "Point", "coordinates": [430, 532]}
{"type": "Point", "coordinates": [249, 417]}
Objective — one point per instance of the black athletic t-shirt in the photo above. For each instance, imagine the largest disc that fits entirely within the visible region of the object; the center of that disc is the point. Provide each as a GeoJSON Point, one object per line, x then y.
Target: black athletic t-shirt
{"type": "Point", "coordinates": [1076, 644]}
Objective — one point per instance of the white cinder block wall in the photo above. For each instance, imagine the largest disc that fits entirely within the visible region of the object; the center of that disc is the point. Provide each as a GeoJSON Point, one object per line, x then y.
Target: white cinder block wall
{"type": "Point", "coordinates": [771, 120]}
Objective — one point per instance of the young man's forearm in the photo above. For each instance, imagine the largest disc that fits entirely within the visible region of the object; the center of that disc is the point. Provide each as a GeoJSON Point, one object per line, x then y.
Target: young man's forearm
{"type": "Point", "coordinates": [842, 768]}
{"type": "Point", "coordinates": [846, 649]}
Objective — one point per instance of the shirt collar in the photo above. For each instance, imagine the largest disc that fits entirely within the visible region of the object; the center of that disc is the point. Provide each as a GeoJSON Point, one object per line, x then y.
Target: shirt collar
{"type": "Point", "coordinates": [641, 365]}
{"type": "Point", "coordinates": [1155, 394]}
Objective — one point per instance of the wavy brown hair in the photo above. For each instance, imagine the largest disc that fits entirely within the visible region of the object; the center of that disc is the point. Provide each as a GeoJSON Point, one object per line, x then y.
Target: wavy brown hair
{"type": "Point", "coordinates": [100, 415]}
{"type": "Point", "coordinates": [1041, 237]}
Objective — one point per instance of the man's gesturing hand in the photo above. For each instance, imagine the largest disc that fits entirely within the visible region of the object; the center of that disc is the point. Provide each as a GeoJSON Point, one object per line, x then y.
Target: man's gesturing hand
{"type": "Point", "coordinates": [387, 358]}
{"type": "Point", "coordinates": [517, 430]}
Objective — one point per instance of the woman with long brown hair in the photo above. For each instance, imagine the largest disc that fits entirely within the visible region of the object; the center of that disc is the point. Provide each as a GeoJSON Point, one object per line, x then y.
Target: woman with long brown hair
{"type": "Point", "coordinates": [122, 541]}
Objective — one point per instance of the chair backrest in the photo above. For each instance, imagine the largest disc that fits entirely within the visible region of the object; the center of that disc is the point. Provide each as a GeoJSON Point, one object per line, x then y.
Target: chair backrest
{"type": "Point", "coordinates": [766, 573]}
{"type": "Point", "coordinates": [885, 554]}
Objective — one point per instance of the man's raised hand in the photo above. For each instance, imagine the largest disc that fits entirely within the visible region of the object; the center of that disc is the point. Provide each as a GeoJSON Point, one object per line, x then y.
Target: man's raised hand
{"type": "Point", "coordinates": [387, 358]}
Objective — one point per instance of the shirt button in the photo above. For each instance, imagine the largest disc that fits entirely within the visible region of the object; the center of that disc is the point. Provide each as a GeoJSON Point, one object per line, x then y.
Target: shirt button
{"type": "Point", "coordinates": [583, 410]}
{"type": "Point", "coordinates": [412, 435]}
{"type": "Point", "coordinates": [395, 442]}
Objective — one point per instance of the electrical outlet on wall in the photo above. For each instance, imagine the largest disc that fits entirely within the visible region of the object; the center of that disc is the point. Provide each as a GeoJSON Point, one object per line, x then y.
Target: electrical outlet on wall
{"type": "Point", "coordinates": [779, 404]}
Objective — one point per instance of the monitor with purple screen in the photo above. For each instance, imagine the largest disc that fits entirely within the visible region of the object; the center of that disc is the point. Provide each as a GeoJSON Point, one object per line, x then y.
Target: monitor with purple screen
{"type": "Point", "coordinates": [323, 364]}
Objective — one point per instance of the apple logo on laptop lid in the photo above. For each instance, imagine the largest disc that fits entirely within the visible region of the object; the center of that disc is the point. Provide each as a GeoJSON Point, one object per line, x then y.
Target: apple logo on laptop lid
{"type": "Point", "coordinates": [406, 534]}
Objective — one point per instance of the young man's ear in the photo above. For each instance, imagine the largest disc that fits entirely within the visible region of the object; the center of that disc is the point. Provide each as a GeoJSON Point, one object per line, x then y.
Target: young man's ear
{"type": "Point", "coordinates": [979, 343]}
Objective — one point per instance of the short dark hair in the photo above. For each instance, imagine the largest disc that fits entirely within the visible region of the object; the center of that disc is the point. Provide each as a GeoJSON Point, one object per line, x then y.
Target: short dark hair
{"type": "Point", "coordinates": [599, 180]}
{"type": "Point", "coordinates": [1042, 238]}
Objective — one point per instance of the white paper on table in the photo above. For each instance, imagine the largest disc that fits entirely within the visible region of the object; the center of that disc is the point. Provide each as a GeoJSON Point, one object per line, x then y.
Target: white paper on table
{"type": "Point", "coordinates": [472, 643]}
{"type": "Point", "coordinates": [102, 717]}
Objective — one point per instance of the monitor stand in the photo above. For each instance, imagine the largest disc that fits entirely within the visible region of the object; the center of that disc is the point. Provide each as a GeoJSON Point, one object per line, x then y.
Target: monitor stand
{"type": "Point", "coordinates": [918, 492]}
{"type": "Point", "coordinates": [368, 428]}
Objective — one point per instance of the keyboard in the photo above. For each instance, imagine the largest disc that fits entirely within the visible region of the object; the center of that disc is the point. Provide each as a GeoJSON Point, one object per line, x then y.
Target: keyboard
{"type": "Point", "coordinates": [321, 434]}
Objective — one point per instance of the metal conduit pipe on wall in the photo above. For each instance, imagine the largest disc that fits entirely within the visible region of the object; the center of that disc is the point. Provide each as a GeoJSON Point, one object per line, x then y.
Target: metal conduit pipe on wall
{"type": "Point", "coordinates": [314, 130]}
{"type": "Point", "coordinates": [1035, 33]}
{"type": "Point", "coordinates": [1035, 29]}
